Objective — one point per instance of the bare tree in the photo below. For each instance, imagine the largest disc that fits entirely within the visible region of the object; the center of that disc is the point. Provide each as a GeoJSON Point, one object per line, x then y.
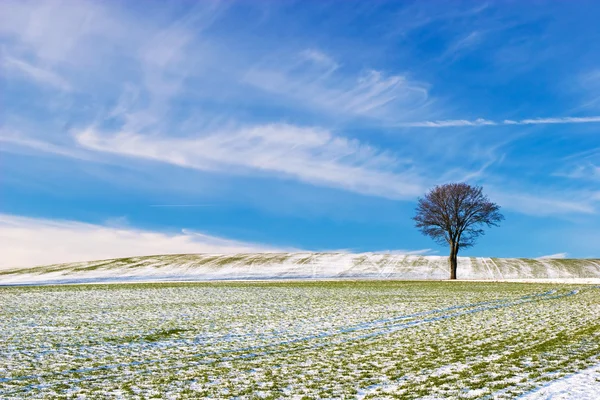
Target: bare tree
{"type": "Point", "coordinates": [455, 214]}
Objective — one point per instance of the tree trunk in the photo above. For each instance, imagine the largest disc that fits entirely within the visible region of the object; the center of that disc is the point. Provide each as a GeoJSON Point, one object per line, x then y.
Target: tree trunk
{"type": "Point", "coordinates": [453, 260]}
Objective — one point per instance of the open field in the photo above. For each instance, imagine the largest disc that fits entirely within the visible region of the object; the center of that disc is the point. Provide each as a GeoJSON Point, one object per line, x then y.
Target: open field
{"type": "Point", "coordinates": [357, 339]}
{"type": "Point", "coordinates": [193, 267]}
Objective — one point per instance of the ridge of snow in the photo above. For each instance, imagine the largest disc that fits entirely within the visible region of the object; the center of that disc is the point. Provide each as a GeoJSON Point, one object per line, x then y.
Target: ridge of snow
{"type": "Point", "coordinates": [284, 266]}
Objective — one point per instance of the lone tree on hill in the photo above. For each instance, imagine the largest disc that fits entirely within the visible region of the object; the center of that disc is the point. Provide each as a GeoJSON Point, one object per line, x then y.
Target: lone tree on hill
{"type": "Point", "coordinates": [455, 214]}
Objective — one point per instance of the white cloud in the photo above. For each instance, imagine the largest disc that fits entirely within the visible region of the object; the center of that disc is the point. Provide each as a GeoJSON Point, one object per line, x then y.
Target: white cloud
{"type": "Point", "coordinates": [321, 58]}
{"type": "Point", "coordinates": [589, 84]}
{"type": "Point", "coordinates": [163, 58]}
{"type": "Point", "coordinates": [463, 44]}
{"type": "Point", "coordinates": [585, 171]}
{"type": "Point", "coordinates": [159, 60]}
{"type": "Point", "coordinates": [467, 41]}
{"type": "Point", "coordinates": [543, 205]}
{"type": "Point", "coordinates": [553, 256]}
{"type": "Point", "coordinates": [564, 120]}
{"type": "Point", "coordinates": [22, 141]}
{"type": "Point", "coordinates": [313, 79]}
{"type": "Point", "coordinates": [37, 74]}
{"type": "Point", "coordinates": [309, 155]}
{"type": "Point", "coordinates": [58, 31]}
{"type": "Point", "coordinates": [26, 242]}
{"type": "Point", "coordinates": [179, 205]}
{"type": "Point", "coordinates": [166, 58]}
{"type": "Point", "coordinates": [99, 46]}
{"type": "Point", "coordinates": [449, 123]}
{"type": "Point", "coordinates": [483, 122]}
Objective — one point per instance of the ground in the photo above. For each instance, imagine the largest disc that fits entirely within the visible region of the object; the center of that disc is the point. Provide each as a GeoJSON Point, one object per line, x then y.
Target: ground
{"type": "Point", "coordinates": [328, 339]}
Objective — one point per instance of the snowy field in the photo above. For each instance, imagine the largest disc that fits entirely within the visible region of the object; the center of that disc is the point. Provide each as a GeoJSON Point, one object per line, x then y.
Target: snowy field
{"type": "Point", "coordinates": [285, 266]}
{"type": "Point", "coordinates": [344, 339]}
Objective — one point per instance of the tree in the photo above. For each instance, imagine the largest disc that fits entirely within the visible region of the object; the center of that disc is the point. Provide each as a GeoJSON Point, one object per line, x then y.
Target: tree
{"type": "Point", "coordinates": [455, 214]}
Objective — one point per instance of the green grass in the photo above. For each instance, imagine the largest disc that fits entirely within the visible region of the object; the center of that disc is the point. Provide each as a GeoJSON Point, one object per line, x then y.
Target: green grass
{"type": "Point", "coordinates": [329, 339]}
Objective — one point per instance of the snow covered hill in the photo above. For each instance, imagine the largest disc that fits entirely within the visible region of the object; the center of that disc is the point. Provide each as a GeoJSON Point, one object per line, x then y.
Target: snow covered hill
{"type": "Point", "coordinates": [304, 266]}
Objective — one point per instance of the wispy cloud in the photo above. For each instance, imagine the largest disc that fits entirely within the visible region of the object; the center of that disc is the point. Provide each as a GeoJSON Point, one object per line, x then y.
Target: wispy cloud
{"type": "Point", "coordinates": [40, 75]}
{"type": "Point", "coordinates": [544, 204]}
{"type": "Point", "coordinates": [61, 32]}
{"type": "Point", "coordinates": [589, 85]}
{"type": "Point", "coordinates": [313, 78]}
{"type": "Point", "coordinates": [105, 49]}
{"type": "Point", "coordinates": [26, 242]}
{"type": "Point", "coordinates": [320, 58]}
{"type": "Point", "coordinates": [553, 256]}
{"type": "Point", "coordinates": [310, 155]}
{"type": "Point", "coordinates": [462, 45]}
{"type": "Point", "coordinates": [448, 123]}
{"type": "Point", "coordinates": [22, 141]}
{"type": "Point", "coordinates": [416, 15]}
{"type": "Point", "coordinates": [147, 85]}
{"type": "Point", "coordinates": [563, 120]}
{"type": "Point", "coordinates": [486, 122]}
{"type": "Point", "coordinates": [180, 205]}
{"type": "Point", "coordinates": [585, 171]}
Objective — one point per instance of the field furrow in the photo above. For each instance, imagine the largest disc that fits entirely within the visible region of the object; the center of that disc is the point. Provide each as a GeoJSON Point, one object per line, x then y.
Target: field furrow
{"type": "Point", "coordinates": [365, 339]}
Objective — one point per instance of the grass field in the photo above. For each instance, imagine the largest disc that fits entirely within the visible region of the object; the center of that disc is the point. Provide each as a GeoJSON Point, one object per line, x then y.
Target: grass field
{"type": "Point", "coordinates": [345, 339]}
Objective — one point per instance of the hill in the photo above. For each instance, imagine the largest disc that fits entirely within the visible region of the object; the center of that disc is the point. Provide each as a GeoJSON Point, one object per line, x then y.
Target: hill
{"type": "Point", "coordinates": [274, 266]}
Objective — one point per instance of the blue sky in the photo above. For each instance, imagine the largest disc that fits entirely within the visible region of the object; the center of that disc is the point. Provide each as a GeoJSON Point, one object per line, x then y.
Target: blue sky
{"type": "Point", "coordinates": [147, 127]}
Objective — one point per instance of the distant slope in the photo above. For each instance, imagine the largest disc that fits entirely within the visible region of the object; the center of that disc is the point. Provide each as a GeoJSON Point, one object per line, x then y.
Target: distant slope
{"type": "Point", "coordinates": [303, 266]}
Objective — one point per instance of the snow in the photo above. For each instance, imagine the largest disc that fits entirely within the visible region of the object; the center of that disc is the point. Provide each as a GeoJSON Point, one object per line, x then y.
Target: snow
{"type": "Point", "coordinates": [343, 339]}
{"type": "Point", "coordinates": [312, 266]}
{"type": "Point", "coordinates": [584, 385]}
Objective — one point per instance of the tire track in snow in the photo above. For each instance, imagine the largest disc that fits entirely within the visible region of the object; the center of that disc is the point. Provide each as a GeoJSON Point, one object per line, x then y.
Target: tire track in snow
{"type": "Point", "coordinates": [205, 340]}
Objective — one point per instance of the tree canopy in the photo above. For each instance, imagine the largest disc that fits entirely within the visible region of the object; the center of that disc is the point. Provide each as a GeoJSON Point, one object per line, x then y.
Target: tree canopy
{"type": "Point", "coordinates": [455, 214]}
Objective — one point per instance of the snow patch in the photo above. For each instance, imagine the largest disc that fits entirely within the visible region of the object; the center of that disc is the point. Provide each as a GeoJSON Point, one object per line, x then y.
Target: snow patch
{"type": "Point", "coordinates": [583, 385]}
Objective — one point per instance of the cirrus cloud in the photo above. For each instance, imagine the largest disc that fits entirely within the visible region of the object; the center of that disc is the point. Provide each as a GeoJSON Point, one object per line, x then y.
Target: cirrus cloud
{"type": "Point", "coordinates": [486, 122]}
{"type": "Point", "coordinates": [310, 155]}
